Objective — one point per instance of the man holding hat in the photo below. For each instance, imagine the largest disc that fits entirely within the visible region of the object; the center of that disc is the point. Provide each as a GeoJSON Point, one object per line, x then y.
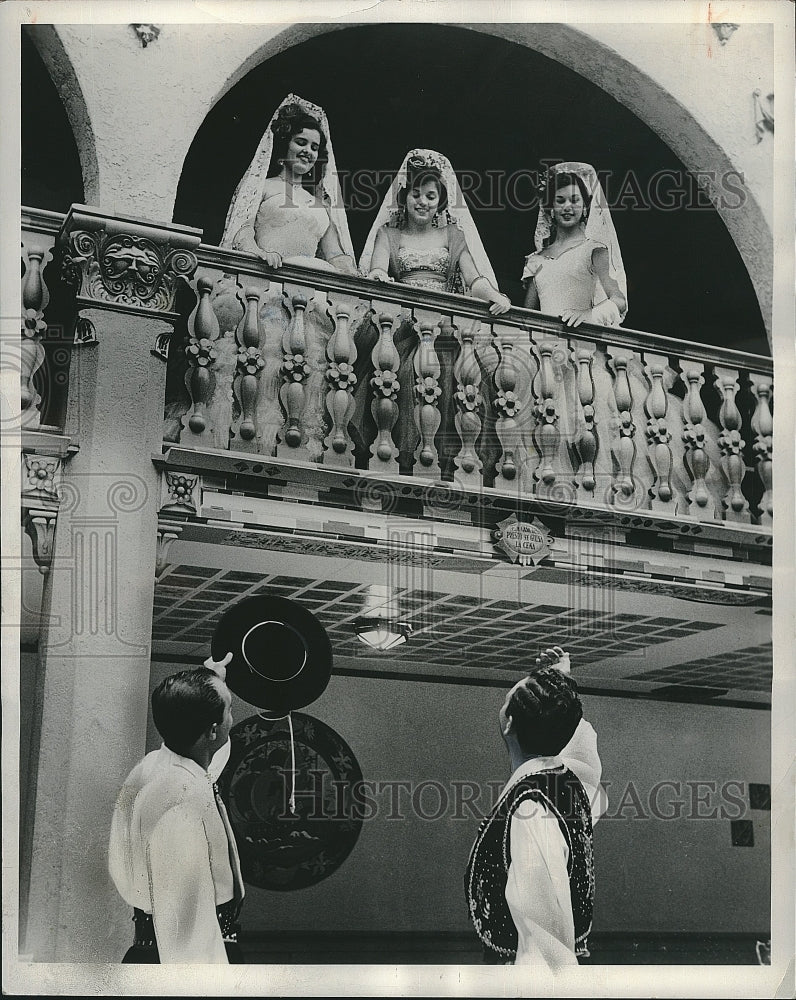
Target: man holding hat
{"type": "Point", "coordinates": [172, 853]}
{"type": "Point", "coordinates": [530, 876]}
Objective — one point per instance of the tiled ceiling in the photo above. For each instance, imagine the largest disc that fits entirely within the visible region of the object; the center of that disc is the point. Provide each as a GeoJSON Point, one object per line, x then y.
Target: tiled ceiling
{"type": "Point", "coordinates": [451, 629]}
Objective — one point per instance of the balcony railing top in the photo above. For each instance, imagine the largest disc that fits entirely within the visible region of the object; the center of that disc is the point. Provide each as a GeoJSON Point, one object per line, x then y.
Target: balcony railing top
{"type": "Point", "coordinates": [319, 367]}
{"type": "Point", "coordinates": [225, 260]}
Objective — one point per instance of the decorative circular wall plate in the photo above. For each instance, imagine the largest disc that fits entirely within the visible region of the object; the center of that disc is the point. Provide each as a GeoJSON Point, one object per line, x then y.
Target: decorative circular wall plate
{"type": "Point", "coordinates": [280, 850]}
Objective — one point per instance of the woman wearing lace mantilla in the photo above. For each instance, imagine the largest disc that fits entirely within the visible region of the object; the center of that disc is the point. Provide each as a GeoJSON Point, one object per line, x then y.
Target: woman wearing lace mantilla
{"type": "Point", "coordinates": [576, 271]}
{"type": "Point", "coordinates": [288, 209]}
{"type": "Point", "coordinates": [423, 236]}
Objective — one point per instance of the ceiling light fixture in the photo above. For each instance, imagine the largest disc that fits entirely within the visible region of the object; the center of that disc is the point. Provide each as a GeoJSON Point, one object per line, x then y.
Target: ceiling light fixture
{"type": "Point", "coordinates": [380, 626]}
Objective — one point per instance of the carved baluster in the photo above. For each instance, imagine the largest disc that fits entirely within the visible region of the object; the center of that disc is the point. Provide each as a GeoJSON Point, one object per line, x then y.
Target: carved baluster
{"type": "Point", "coordinates": [428, 391]}
{"type": "Point", "coordinates": [249, 365]}
{"type": "Point", "coordinates": [701, 503]}
{"type": "Point", "coordinates": [548, 434]}
{"type": "Point", "coordinates": [508, 405]}
{"type": "Point", "coordinates": [624, 485]}
{"type": "Point", "coordinates": [763, 426]}
{"type": "Point", "coordinates": [200, 379]}
{"type": "Point", "coordinates": [582, 353]}
{"type": "Point", "coordinates": [385, 392]}
{"type": "Point", "coordinates": [731, 445]}
{"type": "Point", "coordinates": [658, 434]}
{"type": "Point", "coordinates": [342, 354]}
{"type": "Point", "coordinates": [469, 402]}
{"type": "Point", "coordinates": [295, 372]}
{"type": "Point", "coordinates": [35, 297]}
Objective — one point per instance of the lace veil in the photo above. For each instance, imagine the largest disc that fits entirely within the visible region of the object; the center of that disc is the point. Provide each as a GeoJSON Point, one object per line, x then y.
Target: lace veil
{"type": "Point", "coordinates": [457, 212]}
{"type": "Point", "coordinates": [249, 193]}
{"type": "Point", "coordinates": [599, 225]}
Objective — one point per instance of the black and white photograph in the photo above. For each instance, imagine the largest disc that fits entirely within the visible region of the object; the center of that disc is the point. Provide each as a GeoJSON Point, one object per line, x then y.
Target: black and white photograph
{"type": "Point", "coordinates": [392, 602]}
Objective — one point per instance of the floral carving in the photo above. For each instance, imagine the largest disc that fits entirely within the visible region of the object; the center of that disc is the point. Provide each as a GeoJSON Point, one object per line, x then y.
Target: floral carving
{"type": "Point", "coordinates": [201, 351]}
{"type": "Point", "coordinates": [694, 434]}
{"type": "Point", "coordinates": [39, 475]}
{"type": "Point", "coordinates": [386, 383]}
{"type": "Point", "coordinates": [33, 324]}
{"type": "Point", "coordinates": [731, 442]}
{"type": "Point", "coordinates": [296, 367]}
{"type": "Point", "coordinates": [181, 489]}
{"type": "Point", "coordinates": [428, 389]}
{"type": "Point", "coordinates": [507, 402]}
{"type": "Point", "coordinates": [250, 361]}
{"type": "Point", "coordinates": [341, 375]}
{"type": "Point", "coordinates": [469, 397]}
{"type": "Point", "coordinates": [658, 432]}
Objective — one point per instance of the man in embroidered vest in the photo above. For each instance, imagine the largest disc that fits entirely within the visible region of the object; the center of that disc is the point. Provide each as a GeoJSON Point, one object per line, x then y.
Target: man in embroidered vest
{"type": "Point", "coordinates": [530, 877]}
{"type": "Point", "coordinates": [172, 852]}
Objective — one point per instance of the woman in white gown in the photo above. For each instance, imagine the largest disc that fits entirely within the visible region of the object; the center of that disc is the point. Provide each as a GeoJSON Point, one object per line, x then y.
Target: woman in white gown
{"type": "Point", "coordinates": [287, 209]}
{"type": "Point", "coordinates": [576, 271]}
{"type": "Point", "coordinates": [425, 236]}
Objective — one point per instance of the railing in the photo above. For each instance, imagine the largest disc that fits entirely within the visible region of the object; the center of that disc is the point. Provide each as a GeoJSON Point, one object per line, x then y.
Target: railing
{"type": "Point", "coordinates": [336, 371]}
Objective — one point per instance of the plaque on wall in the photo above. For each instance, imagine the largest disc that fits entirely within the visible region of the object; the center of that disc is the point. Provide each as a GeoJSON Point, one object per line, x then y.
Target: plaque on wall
{"type": "Point", "coordinates": [281, 849]}
{"type": "Point", "coordinates": [524, 542]}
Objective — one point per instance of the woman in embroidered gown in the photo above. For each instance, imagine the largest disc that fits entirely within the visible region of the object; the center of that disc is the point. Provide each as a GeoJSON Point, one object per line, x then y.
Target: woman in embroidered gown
{"type": "Point", "coordinates": [288, 209]}
{"type": "Point", "coordinates": [423, 236]}
{"type": "Point", "coordinates": [576, 271]}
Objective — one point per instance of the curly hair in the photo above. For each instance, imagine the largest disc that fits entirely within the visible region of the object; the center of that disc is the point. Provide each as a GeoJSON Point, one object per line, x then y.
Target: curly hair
{"type": "Point", "coordinates": [545, 711]}
{"type": "Point", "coordinates": [562, 179]}
{"type": "Point", "coordinates": [291, 120]}
{"type": "Point", "coordinates": [186, 704]}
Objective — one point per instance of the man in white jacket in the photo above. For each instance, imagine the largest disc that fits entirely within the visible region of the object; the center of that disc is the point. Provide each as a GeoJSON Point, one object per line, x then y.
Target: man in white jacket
{"type": "Point", "coordinates": [172, 853]}
{"type": "Point", "coordinates": [530, 877]}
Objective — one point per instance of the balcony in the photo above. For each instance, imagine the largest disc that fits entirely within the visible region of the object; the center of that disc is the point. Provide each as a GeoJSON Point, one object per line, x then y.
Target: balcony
{"type": "Point", "coordinates": [301, 366]}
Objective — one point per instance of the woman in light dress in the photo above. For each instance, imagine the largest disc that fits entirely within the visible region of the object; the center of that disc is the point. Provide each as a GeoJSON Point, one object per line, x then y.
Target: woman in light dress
{"type": "Point", "coordinates": [288, 210]}
{"type": "Point", "coordinates": [576, 270]}
{"type": "Point", "coordinates": [424, 236]}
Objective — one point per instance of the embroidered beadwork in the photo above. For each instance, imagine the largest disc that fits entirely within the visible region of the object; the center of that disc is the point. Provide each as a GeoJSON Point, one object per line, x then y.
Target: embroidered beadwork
{"type": "Point", "coordinates": [487, 870]}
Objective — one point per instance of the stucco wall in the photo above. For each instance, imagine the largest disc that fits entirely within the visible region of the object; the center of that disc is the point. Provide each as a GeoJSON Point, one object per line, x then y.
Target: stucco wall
{"type": "Point", "coordinates": [134, 125]}
{"type": "Point", "coordinates": [662, 875]}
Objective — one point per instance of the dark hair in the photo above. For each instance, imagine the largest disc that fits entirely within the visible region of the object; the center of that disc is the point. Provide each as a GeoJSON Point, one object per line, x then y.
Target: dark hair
{"type": "Point", "coordinates": [290, 121]}
{"type": "Point", "coordinates": [185, 705]}
{"type": "Point", "coordinates": [562, 179]}
{"type": "Point", "coordinates": [415, 176]}
{"type": "Point", "coordinates": [545, 711]}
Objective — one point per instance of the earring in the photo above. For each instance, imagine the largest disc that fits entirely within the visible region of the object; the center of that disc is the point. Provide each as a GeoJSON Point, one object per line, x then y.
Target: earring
{"type": "Point", "coordinates": [435, 220]}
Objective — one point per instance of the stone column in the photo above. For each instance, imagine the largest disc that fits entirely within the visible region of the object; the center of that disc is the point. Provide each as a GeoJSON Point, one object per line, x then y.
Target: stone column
{"type": "Point", "coordinates": [94, 649]}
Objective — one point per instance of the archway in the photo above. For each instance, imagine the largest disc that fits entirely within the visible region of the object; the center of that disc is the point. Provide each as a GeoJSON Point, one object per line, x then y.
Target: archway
{"type": "Point", "coordinates": [497, 107]}
{"type": "Point", "coordinates": [44, 40]}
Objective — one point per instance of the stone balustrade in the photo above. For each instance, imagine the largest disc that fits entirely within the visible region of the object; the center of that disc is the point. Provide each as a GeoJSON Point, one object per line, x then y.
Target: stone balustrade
{"type": "Point", "coordinates": [318, 367]}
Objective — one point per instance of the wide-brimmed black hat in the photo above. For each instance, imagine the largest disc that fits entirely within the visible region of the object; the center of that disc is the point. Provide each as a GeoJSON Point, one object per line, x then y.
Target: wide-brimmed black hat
{"type": "Point", "coordinates": [281, 654]}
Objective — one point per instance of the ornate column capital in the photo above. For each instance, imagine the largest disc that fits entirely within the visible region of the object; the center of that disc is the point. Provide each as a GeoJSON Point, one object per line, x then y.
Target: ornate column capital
{"type": "Point", "coordinates": [126, 264]}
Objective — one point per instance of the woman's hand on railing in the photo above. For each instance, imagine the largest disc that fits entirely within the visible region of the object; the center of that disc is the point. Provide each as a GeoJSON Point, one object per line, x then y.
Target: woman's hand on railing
{"type": "Point", "coordinates": [501, 304]}
{"type": "Point", "coordinates": [379, 274]}
{"type": "Point", "coordinates": [271, 257]}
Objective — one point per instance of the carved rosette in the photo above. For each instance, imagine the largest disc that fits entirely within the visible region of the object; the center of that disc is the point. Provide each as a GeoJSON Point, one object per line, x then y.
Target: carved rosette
{"type": "Point", "coordinates": [624, 485]}
{"type": "Point", "coordinates": [658, 433]}
{"type": "Point", "coordinates": [341, 353]}
{"type": "Point", "coordinates": [548, 433]}
{"type": "Point", "coordinates": [384, 406]}
{"type": "Point", "coordinates": [731, 445]}
{"type": "Point", "coordinates": [763, 427]}
{"type": "Point", "coordinates": [469, 402]}
{"type": "Point", "coordinates": [126, 269]}
{"type": "Point", "coordinates": [35, 297]}
{"type": "Point", "coordinates": [427, 392]}
{"type": "Point", "coordinates": [40, 477]}
{"type": "Point", "coordinates": [180, 491]}
{"type": "Point", "coordinates": [508, 402]}
{"type": "Point", "coordinates": [583, 356]}
{"type": "Point", "coordinates": [695, 440]}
